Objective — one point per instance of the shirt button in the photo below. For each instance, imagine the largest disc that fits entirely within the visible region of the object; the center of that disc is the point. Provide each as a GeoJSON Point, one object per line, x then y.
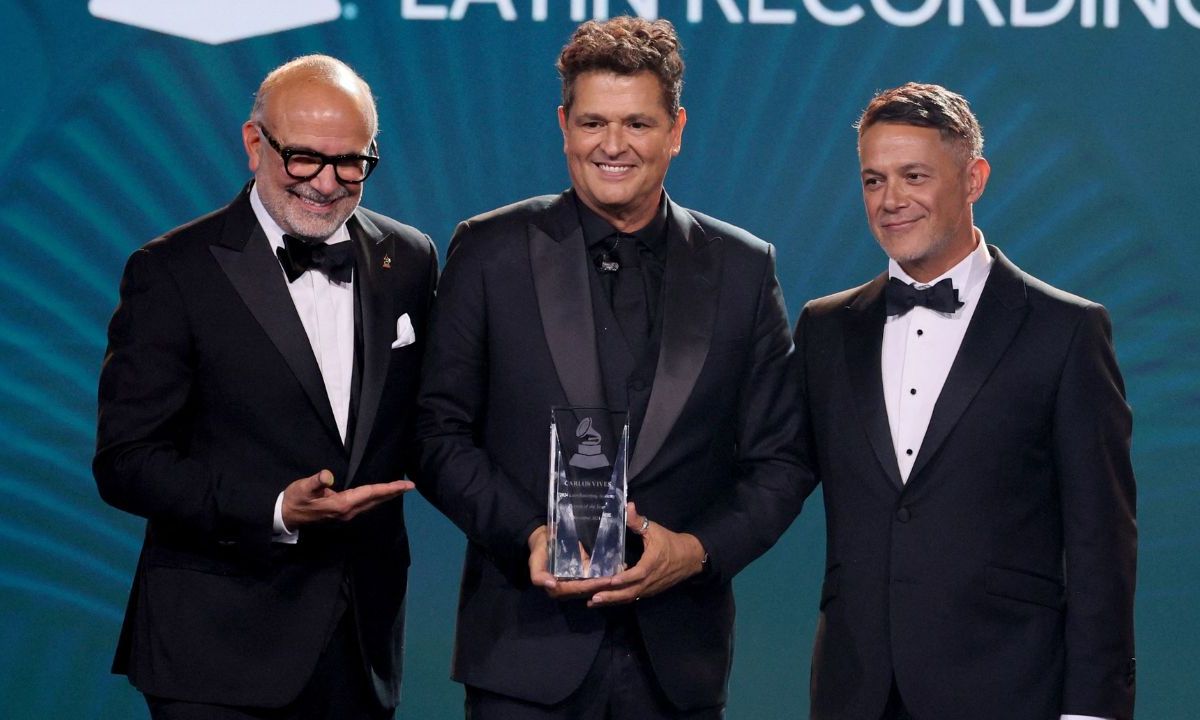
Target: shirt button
{"type": "Point", "coordinates": [920, 332]}
{"type": "Point", "coordinates": [903, 515]}
{"type": "Point", "coordinates": [912, 391]}
{"type": "Point", "coordinates": [908, 451]}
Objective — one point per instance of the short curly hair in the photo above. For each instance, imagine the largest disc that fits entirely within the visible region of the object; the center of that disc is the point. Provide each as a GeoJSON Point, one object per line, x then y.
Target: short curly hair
{"type": "Point", "coordinates": [931, 106]}
{"type": "Point", "coordinates": [625, 46]}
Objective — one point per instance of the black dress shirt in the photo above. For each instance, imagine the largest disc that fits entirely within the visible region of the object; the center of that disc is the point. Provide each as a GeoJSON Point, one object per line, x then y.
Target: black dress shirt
{"type": "Point", "coordinates": [602, 238]}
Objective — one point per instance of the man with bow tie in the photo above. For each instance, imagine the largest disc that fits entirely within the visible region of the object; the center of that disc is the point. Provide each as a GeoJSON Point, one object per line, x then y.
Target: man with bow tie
{"type": "Point", "coordinates": [609, 295]}
{"type": "Point", "coordinates": [969, 427]}
{"type": "Point", "coordinates": [256, 408]}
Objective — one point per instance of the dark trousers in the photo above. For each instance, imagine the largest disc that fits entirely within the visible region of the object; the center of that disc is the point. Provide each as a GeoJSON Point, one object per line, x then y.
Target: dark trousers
{"type": "Point", "coordinates": [338, 690]}
{"type": "Point", "coordinates": [895, 709]}
{"type": "Point", "coordinates": [619, 686]}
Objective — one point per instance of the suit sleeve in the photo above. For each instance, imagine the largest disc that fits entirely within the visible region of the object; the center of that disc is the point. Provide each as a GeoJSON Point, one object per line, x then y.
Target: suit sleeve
{"type": "Point", "coordinates": [1092, 436]}
{"type": "Point", "coordinates": [411, 452]}
{"type": "Point", "coordinates": [770, 482]}
{"type": "Point", "coordinates": [457, 475]}
{"type": "Point", "coordinates": [141, 464]}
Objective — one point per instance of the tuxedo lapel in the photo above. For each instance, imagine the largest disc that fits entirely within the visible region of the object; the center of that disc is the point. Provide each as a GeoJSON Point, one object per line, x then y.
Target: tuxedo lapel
{"type": "Point", "coordinates": [1002, 309]}
{"type": "Point", "coordinates": [558, 262]}
{"type": "Point", "coordinates": [373, 295]}
{"type": "Point", "coordinates": [690, 295]}
{"type": "Point", "coordinates": [244, 254]}
{"type": "Point", "coordinates": [863, 321]}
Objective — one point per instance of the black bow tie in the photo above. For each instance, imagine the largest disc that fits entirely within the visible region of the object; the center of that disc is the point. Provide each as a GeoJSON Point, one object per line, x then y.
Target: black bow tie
{"type": "Point", "coordinates": [297, 256]}
{"type": "Point", "coordinates": [902, 297]}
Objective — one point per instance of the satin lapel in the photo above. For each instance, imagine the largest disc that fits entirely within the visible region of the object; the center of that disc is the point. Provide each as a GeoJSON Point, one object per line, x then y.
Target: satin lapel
{"type": "Point", "coordinates": [244, 254]}
{"type": "Point", "coordinates": [863, 322]}
{"type": "Point", "coordinates": [690, 294]}
{"type": "Point", "coordinates": [1002, 309]}
{"type": "Point", "coordinates": [558, 262]}
{"type": "Point", "coordinates": [372, 288]}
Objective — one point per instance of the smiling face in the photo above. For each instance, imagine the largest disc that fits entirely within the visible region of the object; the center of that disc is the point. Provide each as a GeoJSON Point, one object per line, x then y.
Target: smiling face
{"type": "Point", "coordinates": [918, 191]}
{"type": "Point", "coordinates": [619, 141]}
{"type": "Point", "coordinates": [328, 117]}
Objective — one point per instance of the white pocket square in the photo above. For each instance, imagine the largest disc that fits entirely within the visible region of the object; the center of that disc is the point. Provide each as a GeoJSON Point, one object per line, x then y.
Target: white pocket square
{"type": "Point", "coordinates": [404, 332]}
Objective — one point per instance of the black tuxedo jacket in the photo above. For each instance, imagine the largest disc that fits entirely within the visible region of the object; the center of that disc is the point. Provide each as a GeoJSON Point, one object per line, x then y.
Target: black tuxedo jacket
{"type": "Point", "coordinates": [513, 336]}
{"type": "Point", "coordinates": [211, 402]}
{"type": "Point", "coordinates": [998, 582]}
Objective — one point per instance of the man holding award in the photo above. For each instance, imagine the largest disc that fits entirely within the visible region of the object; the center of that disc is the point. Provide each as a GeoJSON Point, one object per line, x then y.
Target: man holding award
{"type": "Point", "coordinates": [652, 342]}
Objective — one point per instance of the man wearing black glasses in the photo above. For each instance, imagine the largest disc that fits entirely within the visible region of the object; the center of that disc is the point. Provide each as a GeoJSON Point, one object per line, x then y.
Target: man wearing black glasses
{"type": "Point", "coordinates": [255, 405]}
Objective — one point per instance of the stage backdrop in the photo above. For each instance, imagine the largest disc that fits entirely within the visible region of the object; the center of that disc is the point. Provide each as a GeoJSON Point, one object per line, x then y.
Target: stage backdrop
{"type": "Point", "coordinates": [121, 120]}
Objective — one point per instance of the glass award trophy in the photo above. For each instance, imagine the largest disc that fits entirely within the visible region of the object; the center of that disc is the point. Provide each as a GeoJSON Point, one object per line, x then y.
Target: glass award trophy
{"type": "Point", "coordinates": [586, 509]}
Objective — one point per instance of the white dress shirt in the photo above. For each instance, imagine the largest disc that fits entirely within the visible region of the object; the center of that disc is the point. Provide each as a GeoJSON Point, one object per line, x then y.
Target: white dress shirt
{"type": "Point", "coordinates": [326, 309]}
{"type": "Point", "coordinates": [918, 349]}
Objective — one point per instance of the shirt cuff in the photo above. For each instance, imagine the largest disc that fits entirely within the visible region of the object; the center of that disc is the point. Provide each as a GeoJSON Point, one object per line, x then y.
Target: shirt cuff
{"type": "Point", "coordinates": [1082, 717]}
{"type": "Point", "coordinates": [279, 531]}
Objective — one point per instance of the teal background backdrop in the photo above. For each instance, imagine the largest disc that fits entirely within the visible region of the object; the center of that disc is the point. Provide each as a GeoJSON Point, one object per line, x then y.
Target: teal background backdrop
{"type": "Point", "coordinates": [112, 134]}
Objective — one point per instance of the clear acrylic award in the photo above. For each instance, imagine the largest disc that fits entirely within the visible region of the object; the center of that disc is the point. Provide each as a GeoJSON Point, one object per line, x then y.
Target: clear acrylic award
{"type": "Point", "coordinates": [586, 509]}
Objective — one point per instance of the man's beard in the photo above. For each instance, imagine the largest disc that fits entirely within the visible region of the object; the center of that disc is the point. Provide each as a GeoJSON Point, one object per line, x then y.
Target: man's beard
{"type": "Point", "coordinates": [290, 214]}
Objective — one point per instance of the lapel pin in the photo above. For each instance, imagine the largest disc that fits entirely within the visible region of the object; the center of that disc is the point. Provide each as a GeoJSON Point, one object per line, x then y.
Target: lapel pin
{"type": "Point", "coordinates": [387, 262]}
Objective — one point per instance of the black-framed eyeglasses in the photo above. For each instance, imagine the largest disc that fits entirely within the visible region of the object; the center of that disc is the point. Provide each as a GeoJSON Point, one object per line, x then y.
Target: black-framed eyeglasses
{"type": "Point", "coordinates": [305, 164]}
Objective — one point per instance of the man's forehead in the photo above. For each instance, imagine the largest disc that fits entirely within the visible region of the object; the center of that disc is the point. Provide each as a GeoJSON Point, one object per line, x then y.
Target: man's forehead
{"type": "Point", "coordinates": [605, 82]}
{"type": "Point", "coordinates": [610, 95]}
{"type": "Point", "coordinates": [602, 113]}
{"type": "Point", "coordinates": [904, 165]}
{"type": "Point", "coordinates": [313, 95]}
{"type": "Point", "coordinates": [321, 110]}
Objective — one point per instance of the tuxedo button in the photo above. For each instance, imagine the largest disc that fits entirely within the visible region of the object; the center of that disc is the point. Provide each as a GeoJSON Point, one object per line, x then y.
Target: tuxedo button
{"type": "Point", "coordinates": [637, 385]}
{"type": "Point", "coordinates": [903, 514]}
